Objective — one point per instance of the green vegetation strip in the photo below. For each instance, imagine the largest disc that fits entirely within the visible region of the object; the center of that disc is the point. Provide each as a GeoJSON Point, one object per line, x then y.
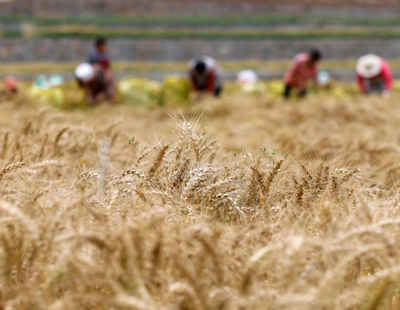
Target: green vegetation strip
{"type": "Point", "coordinates": [11, 33]}
{"type": "Point", "coordinates": [212, 34]}
{"type": "Point", "coordinates": [261, 20]}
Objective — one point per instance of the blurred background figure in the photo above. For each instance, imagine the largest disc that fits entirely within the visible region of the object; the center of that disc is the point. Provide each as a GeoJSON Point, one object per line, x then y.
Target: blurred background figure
{"type": "Point", "coordinates": [323, 78]}
{"type": "Point", "coordinates": [304, 68]}
{"type": "Point", "coordinates": [10, 86]}
{"type": "Point", "coordinates": [44, 82]}
{"type": "Point", "coordinates": [99, 56]}
{"type": "Point", "coordinates": [250, 83]}
{"type": "Point", "coordinates": [374, 75]}
{"type": "Point", "coordinates": [247, 77]}
{"type": "Point", "coordinates": [97, 83]}
{"type": "Point", "coordinates": [205, 76]}
{"type": "Point", "coordinates": [104, 83]}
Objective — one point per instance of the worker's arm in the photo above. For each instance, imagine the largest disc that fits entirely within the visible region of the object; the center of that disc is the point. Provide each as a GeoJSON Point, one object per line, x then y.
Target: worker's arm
{"type": "Point", "coordinates": [315, 77]}
{"type": "Point", "coordinates": [194, 85]}
{"type": "Point", "coordinates": [89, 96]}
{"type": "Point", "coordinates": [210, 82]}
{"type": "Point", "coordinates": [192, 80]}
{"type": "Point", "coordinates": [197, 96]}
{"type": "Point", "coordinates": [291, 73]}
{"type": "Point", "coordinates": [360, 82]}
{"type": "Point", "coordinates": [294, 76]}
{"type": "Point", "coordinates": [387, 77]}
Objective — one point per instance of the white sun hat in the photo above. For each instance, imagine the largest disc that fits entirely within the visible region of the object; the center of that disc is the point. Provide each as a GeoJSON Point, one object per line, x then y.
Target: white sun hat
{"type": "Point", "coordinates": [84, 72]}
{"type": "Point", "coordinates": [247, 77]}
{"type": "Point", "coordinates": [369, 66]}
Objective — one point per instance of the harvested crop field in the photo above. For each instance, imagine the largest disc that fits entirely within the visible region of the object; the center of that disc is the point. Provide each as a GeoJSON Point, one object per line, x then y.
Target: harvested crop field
{"type": "Point", "coordinates": [238, 203]}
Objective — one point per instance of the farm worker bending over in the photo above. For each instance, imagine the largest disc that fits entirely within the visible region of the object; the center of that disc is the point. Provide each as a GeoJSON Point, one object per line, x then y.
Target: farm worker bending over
{"type": "Point", "coordinates": [205, 76]}
{"type": "Point", "coordinates": [99, 56]}
{"type": "Point", "coordinates": [374, 75]}
{"type": "Point", "coordinates": [10, 86]}
{"type": "Point", "coordinates": [303, 69]}
{"type": "Point", "coordinates": [96, 81]}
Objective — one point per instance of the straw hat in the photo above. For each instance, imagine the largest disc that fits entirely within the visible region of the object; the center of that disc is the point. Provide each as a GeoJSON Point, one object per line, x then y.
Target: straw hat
{"type": "Point", "coordinates": [84, 72]}
{"type": "Point", "coordinates": [369, 66]}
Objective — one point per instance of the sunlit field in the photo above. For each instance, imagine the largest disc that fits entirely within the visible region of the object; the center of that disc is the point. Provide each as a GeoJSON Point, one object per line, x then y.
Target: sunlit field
{"type": "Point", "coordinates": [247, 202]}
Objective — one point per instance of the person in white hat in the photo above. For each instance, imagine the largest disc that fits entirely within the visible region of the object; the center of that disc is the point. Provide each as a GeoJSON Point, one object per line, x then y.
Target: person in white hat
{"type": "Point", "coordinates": [374, 75]}
{"type": "Point", "coordinates": [96, 81]}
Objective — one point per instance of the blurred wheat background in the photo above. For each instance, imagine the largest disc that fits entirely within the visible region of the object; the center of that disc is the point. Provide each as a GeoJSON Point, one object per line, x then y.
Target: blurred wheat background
{"type": "Point", "coordinates": [240, 204]}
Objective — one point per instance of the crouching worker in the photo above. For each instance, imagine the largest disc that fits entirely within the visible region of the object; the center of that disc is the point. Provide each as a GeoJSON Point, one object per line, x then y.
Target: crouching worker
{"type": "Point", "coordinates": [374, 75]}
{"type": "Point", "coordinates": [205, 76]}
{"type": "Point", "coordinates": [97, 83]}
{"type": "Point", "coordinates": [304, 69]}
{"type": "Point", "coordinates": [10, 87]}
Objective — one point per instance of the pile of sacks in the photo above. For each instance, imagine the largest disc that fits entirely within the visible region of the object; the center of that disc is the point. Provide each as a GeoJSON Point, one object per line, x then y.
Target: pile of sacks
{"type": "Point", "coordinates": [147, 93]}
{"type": "Point", "coordinates": [173, 90]}
{"type": "Point", "coordinates": [132, 91]}
{"type": "Point", "coordinates": [54, 91]}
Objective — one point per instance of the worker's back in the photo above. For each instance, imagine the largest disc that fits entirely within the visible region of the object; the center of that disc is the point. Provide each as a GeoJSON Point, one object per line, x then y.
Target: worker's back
{"type": "Point", "coordinates": [211, 68]}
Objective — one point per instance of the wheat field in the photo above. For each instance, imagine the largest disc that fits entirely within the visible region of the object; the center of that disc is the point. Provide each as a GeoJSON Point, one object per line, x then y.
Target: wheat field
{"type": "Point", "coordinates": [243, 203]}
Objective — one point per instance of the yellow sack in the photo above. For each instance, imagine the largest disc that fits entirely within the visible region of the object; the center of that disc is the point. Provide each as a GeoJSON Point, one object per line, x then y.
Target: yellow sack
{"type": "Point", "coordinates": [52, 96]}
{"type": "Point", "coordinates": [276, 88]}
{"type": "Point", "coordinates": [140, 92]}
{"type": "Point", "coordinates": [176, 90]}
{"type": "Point", "coordinates": [257, 88]}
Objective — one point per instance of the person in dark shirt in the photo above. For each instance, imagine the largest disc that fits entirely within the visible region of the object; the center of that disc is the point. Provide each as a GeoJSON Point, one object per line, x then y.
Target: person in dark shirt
{"type": "Point", "coordinates": [99, 56]}
{"type": "Point", "coordinates": [104, 82]}
{"type": "Point", "coordinates": [205, 76]}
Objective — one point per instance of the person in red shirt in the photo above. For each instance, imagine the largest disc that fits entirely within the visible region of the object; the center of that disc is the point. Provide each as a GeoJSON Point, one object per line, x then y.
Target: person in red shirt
{"type": "Point", "coordinates": [11, 85]}
{"type": "Point", "coordinates": [205, 76]}
{"type": "Point", "coordinates": [303, 69]}
{"type": "Point", "coordinates": [374, 75]}
{"type": "Point", "coordinates": [10, 89]}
